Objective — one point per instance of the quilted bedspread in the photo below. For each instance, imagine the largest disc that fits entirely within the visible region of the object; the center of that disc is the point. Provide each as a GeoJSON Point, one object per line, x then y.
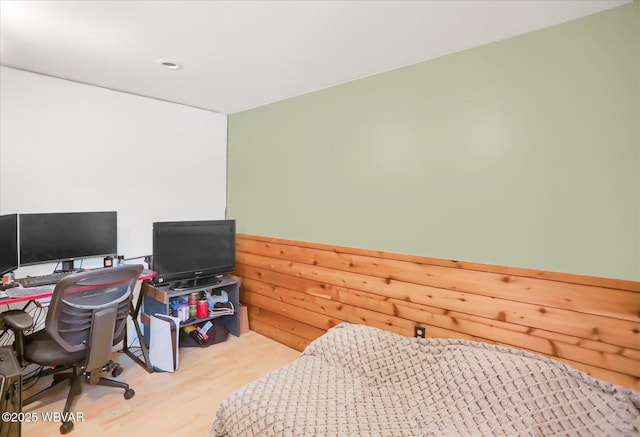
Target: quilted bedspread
{"type": "Point", "coordinates": [362, 381]}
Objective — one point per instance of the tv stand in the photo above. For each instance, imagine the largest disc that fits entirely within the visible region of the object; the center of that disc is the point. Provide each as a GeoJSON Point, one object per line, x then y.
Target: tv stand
{"type": "Point", "coordinates": [156, 299]}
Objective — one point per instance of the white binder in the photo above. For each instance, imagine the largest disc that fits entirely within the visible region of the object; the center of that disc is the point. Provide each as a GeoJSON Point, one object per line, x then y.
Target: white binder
{"type": "Point", "coordinates": [163, 346]}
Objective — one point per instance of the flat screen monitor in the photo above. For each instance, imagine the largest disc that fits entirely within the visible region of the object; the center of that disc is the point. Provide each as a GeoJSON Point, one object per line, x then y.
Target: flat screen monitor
{"type": "Point", "coordinates": [193, 253]}
{"type": "Point", "coordinates": [8, 243]}
{"type": "Point", "coordinates": [55, 237]}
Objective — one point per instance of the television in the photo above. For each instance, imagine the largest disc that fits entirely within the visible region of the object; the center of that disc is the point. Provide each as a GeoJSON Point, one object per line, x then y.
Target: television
{"type": "Point", "coordinates": [8, 243]}
{"type": "Point", "coordinates": [189, 254]}
{"type": "Point", "coordinates": [65, 237]}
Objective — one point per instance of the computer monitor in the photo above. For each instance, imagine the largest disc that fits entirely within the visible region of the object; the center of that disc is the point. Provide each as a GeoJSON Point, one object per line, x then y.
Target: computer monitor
{"type": "Point", "coordinates": [193, 253]}
{"type": "Point", "coordinates": [55, 237]}
{"type": "Point", "coordinates": [8, 243]}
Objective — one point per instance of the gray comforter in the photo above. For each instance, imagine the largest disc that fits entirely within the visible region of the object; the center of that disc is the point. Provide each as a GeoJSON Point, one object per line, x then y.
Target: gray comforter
{"type": "Point", "coordinates": [362, 381]}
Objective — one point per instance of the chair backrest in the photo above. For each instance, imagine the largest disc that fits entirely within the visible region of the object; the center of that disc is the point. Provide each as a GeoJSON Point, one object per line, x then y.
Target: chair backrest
{"type": "Point", "coordinates": [81, 300]}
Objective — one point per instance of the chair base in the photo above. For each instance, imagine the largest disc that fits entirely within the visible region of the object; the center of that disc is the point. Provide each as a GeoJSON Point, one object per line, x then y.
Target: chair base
{"type": "Point", "coordinates": [75, 378]}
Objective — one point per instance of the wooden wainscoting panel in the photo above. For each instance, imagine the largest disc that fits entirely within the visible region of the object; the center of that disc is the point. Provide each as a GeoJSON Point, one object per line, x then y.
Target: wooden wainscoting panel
{"type": "Point", "coordinates": [616, 284]}
{"type": "Point", "coordinates": [286, 324]}
{"type": "Point", "coordinates": [591, 299]}
{"type": "Point", "coordinates": [284, 337]}
{"type": "Point", "coordinates": [617, 331]}
{"type": "Point", "coordinates": [296, 290]}
{"type": "Point", "coordinates": [440, 323]}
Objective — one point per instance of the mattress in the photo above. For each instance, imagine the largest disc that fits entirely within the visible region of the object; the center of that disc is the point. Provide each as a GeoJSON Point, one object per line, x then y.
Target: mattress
{"type": "Point", "coordinates": [362, 381]}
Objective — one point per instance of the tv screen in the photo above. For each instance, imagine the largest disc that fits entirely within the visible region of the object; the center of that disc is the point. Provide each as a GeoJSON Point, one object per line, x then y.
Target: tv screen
{"type": "Point", "coordinates": [193, 252]}
{"type": "Point", "coordinates": [8, 243]}
{"type": "Point", "coordinates": [64, 237]}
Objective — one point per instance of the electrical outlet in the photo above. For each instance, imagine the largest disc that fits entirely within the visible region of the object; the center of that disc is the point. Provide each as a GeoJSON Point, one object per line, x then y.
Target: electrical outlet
{"type": "Point", "coordinates": [419, 331]}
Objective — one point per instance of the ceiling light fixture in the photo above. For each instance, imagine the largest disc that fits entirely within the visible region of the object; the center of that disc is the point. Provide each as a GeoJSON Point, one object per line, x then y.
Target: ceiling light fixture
{"type": "Point", "coordinates": [170, 64]}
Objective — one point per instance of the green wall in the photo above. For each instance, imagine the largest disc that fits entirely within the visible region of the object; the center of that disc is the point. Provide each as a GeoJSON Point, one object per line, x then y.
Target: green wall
{"type": "Point", "coordinates": [524, 152]}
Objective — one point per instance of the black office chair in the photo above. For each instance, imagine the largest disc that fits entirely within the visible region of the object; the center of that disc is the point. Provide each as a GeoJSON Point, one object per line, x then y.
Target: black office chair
{"type": "Point", "coordinates": [87, 316]}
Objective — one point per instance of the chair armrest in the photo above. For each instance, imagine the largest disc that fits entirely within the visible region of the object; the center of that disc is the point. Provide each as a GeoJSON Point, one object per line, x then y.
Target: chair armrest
{"type": "Point", "coordinates": [16, 320]}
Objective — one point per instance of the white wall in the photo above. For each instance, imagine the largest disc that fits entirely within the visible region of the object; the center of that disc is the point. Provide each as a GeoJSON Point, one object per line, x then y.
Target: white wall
{"type": "Point", "coordinates": [66, 147]}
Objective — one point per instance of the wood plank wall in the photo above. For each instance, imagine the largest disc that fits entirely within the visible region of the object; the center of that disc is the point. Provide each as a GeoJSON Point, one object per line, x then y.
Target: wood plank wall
{"type": "Point", "coordinates": [295, 291]}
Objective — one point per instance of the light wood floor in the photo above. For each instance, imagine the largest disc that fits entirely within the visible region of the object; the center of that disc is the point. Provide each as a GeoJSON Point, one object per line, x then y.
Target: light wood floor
{"type": "Point", "coordinates": [182, 403]}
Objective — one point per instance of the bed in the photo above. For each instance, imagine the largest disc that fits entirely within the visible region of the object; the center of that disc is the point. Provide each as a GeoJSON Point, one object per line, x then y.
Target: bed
{"type": "Point", "coordinates": [362, 381]}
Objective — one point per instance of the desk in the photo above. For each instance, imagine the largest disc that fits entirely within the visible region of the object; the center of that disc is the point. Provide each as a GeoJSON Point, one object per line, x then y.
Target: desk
{"type": "Point", "coordinates": [46, 291]}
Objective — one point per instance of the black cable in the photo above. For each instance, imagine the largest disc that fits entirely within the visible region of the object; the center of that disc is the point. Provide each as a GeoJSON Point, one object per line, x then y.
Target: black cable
{"type": "Point", "coordinates": [136, 351]}
{"type": "Point", "coordinates": [132, 341]}
{"type": "Point", "coordinates": [31, 379]}
{"type": "Point", "coordinates": [33, 373]}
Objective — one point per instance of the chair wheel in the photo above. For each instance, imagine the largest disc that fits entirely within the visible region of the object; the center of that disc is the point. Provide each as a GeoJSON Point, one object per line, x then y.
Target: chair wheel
{"type": "Point", "coordinates": [129, 393]}
{"type": "Point", "coordinates": [116, 372]}
{"type": "Point", "coordinates": [66, 427]}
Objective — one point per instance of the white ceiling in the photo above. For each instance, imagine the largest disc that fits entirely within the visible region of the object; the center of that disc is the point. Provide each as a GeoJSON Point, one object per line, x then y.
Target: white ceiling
{"type": "Point", "coordinates": [239, 55]}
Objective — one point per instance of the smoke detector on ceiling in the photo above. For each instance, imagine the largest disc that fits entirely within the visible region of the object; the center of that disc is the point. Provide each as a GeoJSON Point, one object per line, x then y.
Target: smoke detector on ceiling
{"type": "Point", "coordinates": [171, 64]}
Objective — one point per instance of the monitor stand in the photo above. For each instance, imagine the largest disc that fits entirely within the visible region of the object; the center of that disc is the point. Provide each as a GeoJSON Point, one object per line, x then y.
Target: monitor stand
{"type": "Point", "coordinates": [67, 266]}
